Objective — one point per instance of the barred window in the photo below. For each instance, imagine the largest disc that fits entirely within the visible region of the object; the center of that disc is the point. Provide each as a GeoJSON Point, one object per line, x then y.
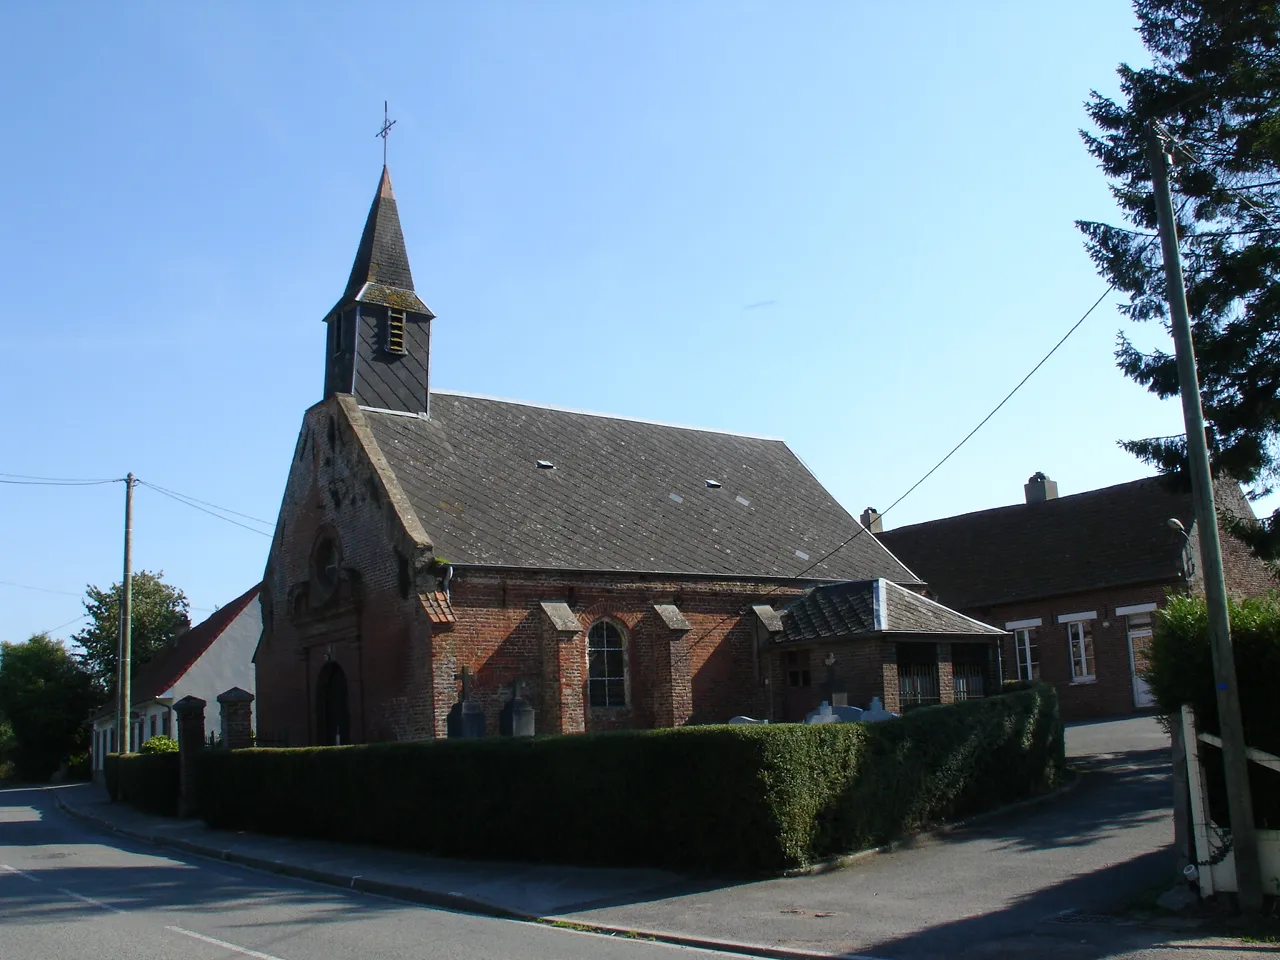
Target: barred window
{"type": "Point", "coordinates": [606, 665]}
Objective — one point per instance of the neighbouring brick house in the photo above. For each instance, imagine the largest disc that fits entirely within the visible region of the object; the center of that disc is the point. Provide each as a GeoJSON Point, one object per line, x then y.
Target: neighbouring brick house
{"type": "Point", "coordinates": [1075, 579]}
{"type": "Point", "coordinates": [213, 656]}
{"type": "Point", "coordinates": [609, 566]}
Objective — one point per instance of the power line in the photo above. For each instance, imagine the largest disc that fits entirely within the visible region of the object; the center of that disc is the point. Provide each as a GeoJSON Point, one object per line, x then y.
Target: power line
{"type": "Point", "coordinates": [24, 586]}
{"type": "Point", "coordinates": [67, 624]}
{"type": "Point", "coordinates": [181, 499]}
{"type": "Point", "coordinates": [59, 483]}
{"type": "Point", "coordinates": [950, 453]}
{"type": "Point", "coordinates": [185, 496]}
{"type": "Point", "coordinates": [23, 476]}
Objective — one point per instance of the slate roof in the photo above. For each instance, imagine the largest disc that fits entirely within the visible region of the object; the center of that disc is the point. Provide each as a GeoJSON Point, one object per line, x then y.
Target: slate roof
{"type": "Point", "coordinates": [1115, 536]}
{"type": "Point", "coordinates": [381, 274]}
{"type": "Point", "coordinates": [873, 608]}
{"type": "Point", "coordinates": [169, 664]}
{"type": "Point", "coordinates": [622, 495]}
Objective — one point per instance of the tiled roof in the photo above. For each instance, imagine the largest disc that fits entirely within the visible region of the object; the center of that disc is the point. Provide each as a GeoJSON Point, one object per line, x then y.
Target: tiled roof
{"type": "Point", "coordinates": [1110, 537]}
{"type": "Point", "coordinates": [617, 494]}
{"type": "Point", "coordinates": [169, 663]}
{"type": "Point", "coordinates": [873, 608]}
{"type": "Point", "coordinates": [380, 274]}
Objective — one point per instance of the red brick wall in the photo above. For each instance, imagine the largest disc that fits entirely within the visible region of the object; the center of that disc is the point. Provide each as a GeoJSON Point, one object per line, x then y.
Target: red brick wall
{"type": "Point", "coordinates": [1111, 694]}
{"type": "Point", "coordinates": [706, 675]}
{"type": "Point", "coordinates": [860, 669]}
{"type": "Point", "coordinates": [375, 630]}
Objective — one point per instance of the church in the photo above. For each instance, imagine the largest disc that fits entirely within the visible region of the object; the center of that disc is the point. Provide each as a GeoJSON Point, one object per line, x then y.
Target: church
{"type": "Point", "coordinates": [614, 573]}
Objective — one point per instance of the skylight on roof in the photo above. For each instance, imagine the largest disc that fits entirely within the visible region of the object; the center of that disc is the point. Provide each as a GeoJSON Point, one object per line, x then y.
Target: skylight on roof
{"type": "Point", "coordinates": [676, 497]}
{"type": "Point", "coordinates": [743, 500]}
{"type": "Point", "coordinates": [802, 555]}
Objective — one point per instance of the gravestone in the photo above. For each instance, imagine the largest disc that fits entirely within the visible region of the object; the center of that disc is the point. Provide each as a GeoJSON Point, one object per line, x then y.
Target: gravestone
{"type": "Point", "coordinates": [823, 714]}
{"type": "Point", "coordinates": [517, 716]}
{"type": "Point", "coordinates": [877, 712]}
{"type": "Point", "coordinates": [466, 717]}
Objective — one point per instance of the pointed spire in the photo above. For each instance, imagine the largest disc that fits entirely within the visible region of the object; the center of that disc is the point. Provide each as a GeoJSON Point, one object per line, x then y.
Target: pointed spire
{"type": "Point", "coordinates": [380, 274]}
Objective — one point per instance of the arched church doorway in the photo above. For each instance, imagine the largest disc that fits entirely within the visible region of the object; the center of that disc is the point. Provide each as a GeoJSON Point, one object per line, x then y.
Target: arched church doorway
{"type": "Point", "coordinates": [333, 722]}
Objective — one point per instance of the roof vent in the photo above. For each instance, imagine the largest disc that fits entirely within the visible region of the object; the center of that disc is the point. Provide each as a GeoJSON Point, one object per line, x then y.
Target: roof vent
{"type": "Point", "coordinates": [546, 465]}
{"type": "Point", "coordinates": [714, 484]}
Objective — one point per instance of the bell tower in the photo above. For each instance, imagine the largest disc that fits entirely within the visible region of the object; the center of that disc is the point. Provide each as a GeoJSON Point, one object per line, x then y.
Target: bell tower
{"type": "Point", "coordinates": [378, 346]}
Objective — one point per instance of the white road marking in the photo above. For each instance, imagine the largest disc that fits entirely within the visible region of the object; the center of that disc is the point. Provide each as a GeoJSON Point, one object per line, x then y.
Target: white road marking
{"type": "Point", "coordinates": [26, 876]}
{"type": "Point", "coordinates": [90, 900]}
{"type": "Point", "coordinates": [223, 944]}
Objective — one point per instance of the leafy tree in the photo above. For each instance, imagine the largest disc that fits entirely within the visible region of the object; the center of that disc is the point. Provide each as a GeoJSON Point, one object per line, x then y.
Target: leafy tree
{"type": "Point", "coordinates": [8, 747]}
{"type": "Point", "coordinates": [159, 613]}
{"type": "Point", "coordinates": [45, 697]}
{"type": "Point", "coordinates": [1215, 86]}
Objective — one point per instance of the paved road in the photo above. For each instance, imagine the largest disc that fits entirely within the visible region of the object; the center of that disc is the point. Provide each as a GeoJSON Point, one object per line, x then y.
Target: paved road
{"type": "Point", "coordinates": [69, 892]}
{"type": "Point", "coordinates": [987, 891]}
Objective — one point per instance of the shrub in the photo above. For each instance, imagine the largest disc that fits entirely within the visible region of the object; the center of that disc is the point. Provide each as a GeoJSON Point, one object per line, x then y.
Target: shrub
{"type": "Point", "coordinates": [1181, 671]}
{"type": "Point", "coordinates": [149, 781]}
{"type": "Point", "coordinates": [159, 744]}
{"type": "Point", "coordinates": [78, 767]}
{"type": "Point", "coordinates": [724, 797]}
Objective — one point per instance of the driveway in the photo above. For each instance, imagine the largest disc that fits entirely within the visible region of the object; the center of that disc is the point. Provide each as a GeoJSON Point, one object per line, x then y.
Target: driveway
{"type": "Point", "coordinates": [1017, 885]}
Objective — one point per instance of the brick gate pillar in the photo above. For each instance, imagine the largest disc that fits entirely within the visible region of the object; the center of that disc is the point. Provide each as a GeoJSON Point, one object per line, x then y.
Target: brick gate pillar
{"type": "Point", "coordinates": [237, 718]}
{"type": "Point", "coordinates": [563, 670]}
{"type": "Point", "coordinates": [190, 711]}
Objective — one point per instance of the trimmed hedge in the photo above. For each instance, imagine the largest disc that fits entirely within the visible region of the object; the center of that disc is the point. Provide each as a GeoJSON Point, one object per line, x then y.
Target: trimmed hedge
{"type": "Point", "coordinates": [149, 781]}
{"type": "Point", "coordinates": [723, 797]}
{"type": "Point", "coordinates": [1181, 672]}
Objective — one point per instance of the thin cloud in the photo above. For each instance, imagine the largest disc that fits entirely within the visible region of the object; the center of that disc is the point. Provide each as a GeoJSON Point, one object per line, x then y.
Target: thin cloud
{"type": "Point", "coordinates": [757, 306]}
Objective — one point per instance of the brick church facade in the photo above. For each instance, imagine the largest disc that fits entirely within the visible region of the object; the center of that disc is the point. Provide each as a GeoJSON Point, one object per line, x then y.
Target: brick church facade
{"type": "Point", "coordinates": [618, 573]}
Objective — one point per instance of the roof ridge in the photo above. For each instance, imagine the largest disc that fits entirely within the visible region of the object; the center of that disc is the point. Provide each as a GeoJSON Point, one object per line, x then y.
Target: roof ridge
{"type": "Point", "coordinates": [605, 416]}
{"type": "Point", "coordinates": [1016, 506]}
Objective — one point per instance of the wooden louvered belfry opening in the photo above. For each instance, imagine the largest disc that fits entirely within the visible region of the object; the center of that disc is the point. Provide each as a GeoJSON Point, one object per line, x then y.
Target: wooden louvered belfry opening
{"type": "Point", "coordinates": [395, 332]}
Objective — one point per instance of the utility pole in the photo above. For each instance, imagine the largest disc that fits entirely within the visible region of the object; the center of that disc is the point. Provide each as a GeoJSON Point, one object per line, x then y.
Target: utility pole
{"type": "Point", "coordinates": [1235, 760]}
{"type": "Point", "coordinates": [126, 625]}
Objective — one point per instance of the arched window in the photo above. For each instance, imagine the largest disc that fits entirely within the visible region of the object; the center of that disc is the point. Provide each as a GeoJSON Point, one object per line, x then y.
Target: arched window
{"type": "Point", "coordinates": [606, 665]}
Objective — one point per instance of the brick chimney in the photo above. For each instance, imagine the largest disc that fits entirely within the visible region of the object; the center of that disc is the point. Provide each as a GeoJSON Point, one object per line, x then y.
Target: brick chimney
{"type": "Point", "coordinates": [1040, 488]}
{"type": "Point", "coordinates": [871, 520]}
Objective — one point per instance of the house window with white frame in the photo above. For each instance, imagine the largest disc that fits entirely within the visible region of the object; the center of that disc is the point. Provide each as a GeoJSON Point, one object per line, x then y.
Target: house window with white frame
{"type": "Point", "coordinates": [1025, 643]}
{"type": "Point", "coordinates": [606, 665]}
{"type": "Point", "coordinates": [1080, 642]}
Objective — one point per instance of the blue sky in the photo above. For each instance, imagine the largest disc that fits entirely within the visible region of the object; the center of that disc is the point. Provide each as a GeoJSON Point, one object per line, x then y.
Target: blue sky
{"type": "Point", "coordinates": [847, 224]}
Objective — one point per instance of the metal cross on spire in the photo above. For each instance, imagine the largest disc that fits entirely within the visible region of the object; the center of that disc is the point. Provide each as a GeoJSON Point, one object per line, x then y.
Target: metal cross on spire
{"type": "Point", "coordinates": [385, 131]}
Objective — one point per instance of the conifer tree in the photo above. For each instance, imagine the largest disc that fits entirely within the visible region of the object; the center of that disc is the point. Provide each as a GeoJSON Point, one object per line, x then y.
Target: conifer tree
{"type": "Point", "coordinates": [1215, 86]}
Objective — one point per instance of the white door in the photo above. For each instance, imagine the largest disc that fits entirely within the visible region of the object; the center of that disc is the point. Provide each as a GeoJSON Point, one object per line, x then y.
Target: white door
{"type": "Point", "coordinates": [1139, 647]}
